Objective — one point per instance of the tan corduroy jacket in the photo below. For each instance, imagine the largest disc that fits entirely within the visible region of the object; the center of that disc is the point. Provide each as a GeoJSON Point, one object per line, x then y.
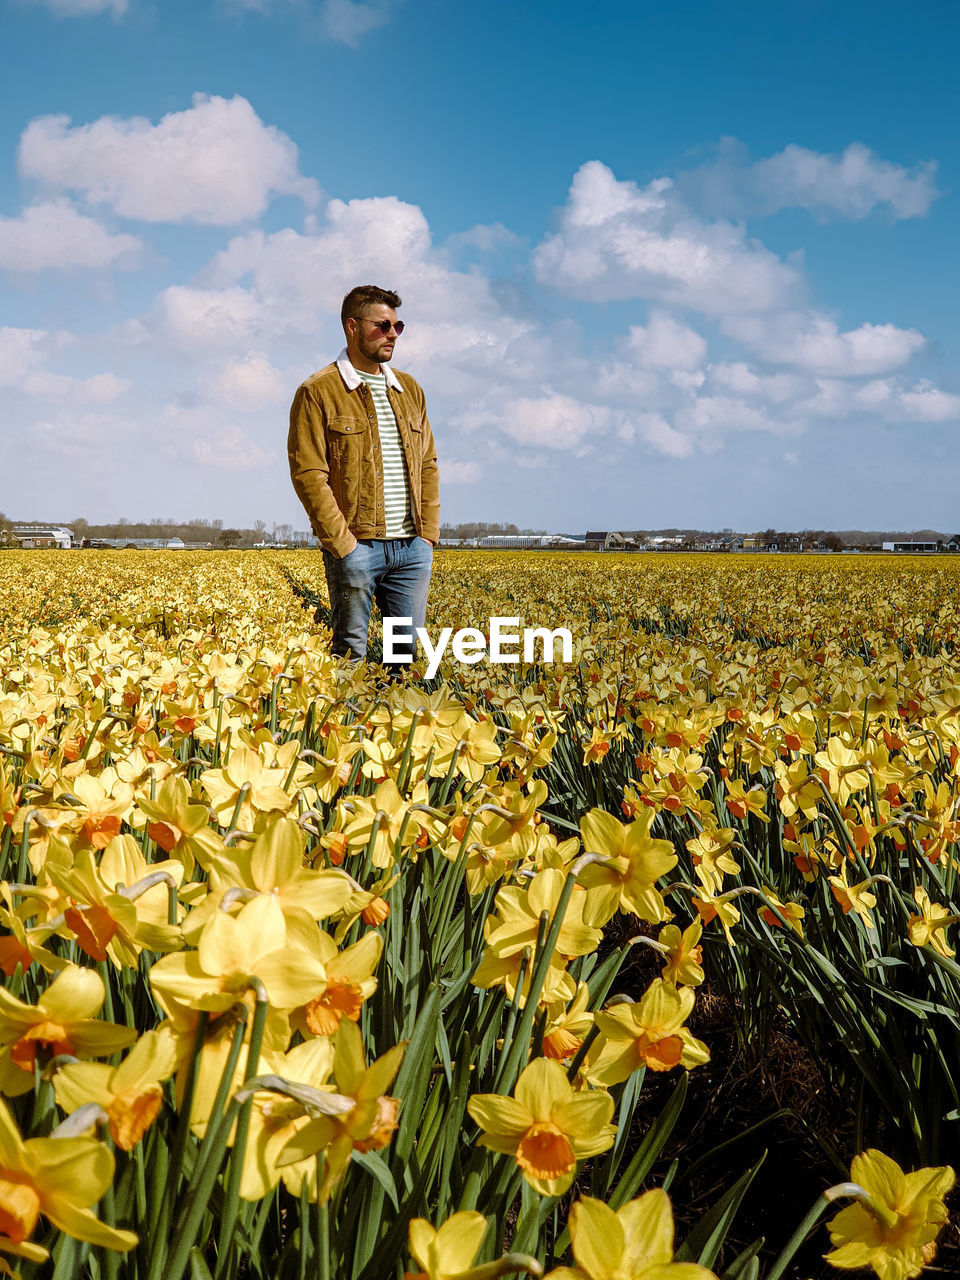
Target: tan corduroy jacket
{"type": "Point", "coordinates": [335, 460]}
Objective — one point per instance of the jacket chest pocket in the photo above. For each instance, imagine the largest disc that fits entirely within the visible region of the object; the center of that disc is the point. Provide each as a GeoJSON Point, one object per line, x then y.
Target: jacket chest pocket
{"type": "Point", "coordinates": [348, 440]}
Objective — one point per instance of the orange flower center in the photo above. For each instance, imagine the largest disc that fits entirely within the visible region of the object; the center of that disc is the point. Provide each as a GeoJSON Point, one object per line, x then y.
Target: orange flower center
{"type": "Point", "coordinates": [13, 953]}
{"type": "Point", "coordinates": [19, 1210]}
{"type": "Point", "coordinates": [130, 1118]}
{"type": "Point", "coordinates": [662, 1054]}
{"type": "Point", "coordinates": [560, 1044]}
{"type": "Point", "coordinates": [323, 1014]}
{"type": "Point", "coordinates": [375, 912]}
{"type": "Point", "coordinates": [52, 1035]}
{"type": "Point", "coordinates": [100, 829]}
{"type": "Point", "coordinates": [384, 1123]}
{"type": "Point", "coordinates": [164, 835]}
{"type": "Point", "coordinates": [94, 927]}
{"type": "Point", "coordinates": [545, 1152]}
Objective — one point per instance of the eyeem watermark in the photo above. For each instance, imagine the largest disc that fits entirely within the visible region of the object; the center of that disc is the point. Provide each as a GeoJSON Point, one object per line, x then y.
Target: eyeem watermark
{"type": "Point", "coordinates": [470, 645]}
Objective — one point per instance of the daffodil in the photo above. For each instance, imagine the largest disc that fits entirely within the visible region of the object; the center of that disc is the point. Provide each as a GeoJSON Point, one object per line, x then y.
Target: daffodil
{"type": "Point", "coordinates": [59, 1178]}
{"type": "Point", "coordinates": [367, 1126]}
{"type": "Point", "coordinates": [246, 781]}
{"type": "Point", "coordinates": [448, 1251]}
{"type": "Point", "coordinates": [180, 828]}
{"type": "Point", "coordinates": [632, 1243]}
{"type": "Point", "coordinates": [349, 981]}
{"type": "Point", "coordinates": [711, 857]}
{"type": "Point", "coordinates": [130, 1094]}
{"type": "Point", "coordinates": [929, 928]}
{"type": "Point", "coordinates": [568, 1021]}
{"type": "Point", "coordinates": [684, 955]}
{"type": "Point", "coordinates": [62, 1021]}
{"type": "Point", "coordinates": [516, 923]}
{"type": "Point", "coordinates": [894, 1230]}
{"type": "Point", "coordinates": [547, 1126]}
{"type": "Point", "coordinates": [274, 865]}
{"type": "Point", "coordinates": [649, 1033]}
{"type": "Point", "coordinates": [633, 862]}
{"type": "Point", "coordinates": [232, 951]}
{"type": "Point", "coordinates": [853, 897]}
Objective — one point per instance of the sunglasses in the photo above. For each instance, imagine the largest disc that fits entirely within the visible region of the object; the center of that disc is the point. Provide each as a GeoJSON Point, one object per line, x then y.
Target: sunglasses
{"type": "Point", "coordinates": [384, 325]}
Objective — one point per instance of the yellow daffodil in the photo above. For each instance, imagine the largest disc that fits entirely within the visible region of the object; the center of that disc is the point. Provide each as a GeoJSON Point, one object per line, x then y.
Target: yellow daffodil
{"type": "Point", "coordinates": [853, 897]}
{"type": "Point", "coordinates": [547, 1126]}
{"type": "Point", "coordinates": [62, 1021]}
{"type": "Point", "coordinates": [248, 782]}
{"type": "Point", "coordinates": [633, 1243]}
{"type": "Point", "coordinates": [649, 1033]}
{"type": "Point", "coordinates": [929, 928]}
{"type": "Point", "coordinates": [684, 955]}
{"type": "Point", "coordinates": [633, 862]}
{"type": "Point", "coordinates": [130, 1094]}
{"type": "Point", "coordinates": [180, 828]}
{"type": "Point", "coordinates": [367, 1126]}
{"type": "Point", "coordinates": [59, 1178]}
{"type": "Point", "coordinates": [517, 920]}
{"type": "Point", "coordinates": [568, 1021]}
{"type": "Point", "coordinates": [895, 1230]}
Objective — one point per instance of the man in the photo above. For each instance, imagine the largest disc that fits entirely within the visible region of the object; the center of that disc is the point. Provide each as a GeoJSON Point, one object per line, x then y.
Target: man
{"type": "Point", "coordinates": [364, 465]}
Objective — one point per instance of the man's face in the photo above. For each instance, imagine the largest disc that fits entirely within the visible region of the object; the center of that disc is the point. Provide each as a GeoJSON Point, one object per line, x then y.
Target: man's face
{"type": "Point", "coordinates": [370, 342]}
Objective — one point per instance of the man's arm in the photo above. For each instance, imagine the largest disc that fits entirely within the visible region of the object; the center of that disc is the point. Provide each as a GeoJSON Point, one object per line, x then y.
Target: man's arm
{"type": "Point", "coordinates": [429, 485]}
{"type": "Point", "coordinates": [310, 473]}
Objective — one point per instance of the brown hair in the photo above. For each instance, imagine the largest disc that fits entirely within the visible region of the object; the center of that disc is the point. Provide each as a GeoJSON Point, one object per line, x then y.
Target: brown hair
{"type": "Point", "coordinates": [366, 295]}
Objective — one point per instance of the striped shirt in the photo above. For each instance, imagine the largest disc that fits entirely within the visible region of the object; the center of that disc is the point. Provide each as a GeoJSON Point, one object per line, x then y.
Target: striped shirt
{"type": "Point", "coordinates": [397, 516]}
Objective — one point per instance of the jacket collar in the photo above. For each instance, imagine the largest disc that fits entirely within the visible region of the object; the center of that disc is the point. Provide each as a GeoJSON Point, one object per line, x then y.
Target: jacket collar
{"type": "Point", "coordinates": [352, 379]}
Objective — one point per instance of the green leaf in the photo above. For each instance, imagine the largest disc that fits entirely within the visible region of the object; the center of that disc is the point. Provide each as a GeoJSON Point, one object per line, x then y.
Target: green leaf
{"type": "Point", "coordinates": [198, 1268]}
{"type": "Point", "coordinates": [375, 1166]}
{"type": "Point", "coordinates": [706, 1239]}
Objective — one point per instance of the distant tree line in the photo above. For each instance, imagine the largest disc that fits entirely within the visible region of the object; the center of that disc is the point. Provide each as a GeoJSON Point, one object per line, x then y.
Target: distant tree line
{"type": "Point", "coordinates": [482, 529]}
{"type": "Point", "coordinates": [197, 530]}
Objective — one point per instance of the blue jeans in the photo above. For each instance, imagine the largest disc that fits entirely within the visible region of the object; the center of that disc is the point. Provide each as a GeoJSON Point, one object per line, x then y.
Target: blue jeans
{"type": "Point", "coordinates": [393, 571]}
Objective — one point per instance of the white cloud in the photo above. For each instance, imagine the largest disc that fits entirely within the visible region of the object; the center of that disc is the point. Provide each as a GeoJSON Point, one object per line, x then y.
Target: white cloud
{"type": "Point", "coordinates": [82, 8]}
{"type": "Point", "coordinates": [741, 380]}
{"type": "Point", "coordinates": [665, 343]}
{"type": "Point", "coordinates": [617, 240]}
{"type": "Point", "coordinates": [813, 342]}
{"type": "Point", "coordinates": [197, 320]}
{"type": "Point", "coordinates": [851, 184]}
{"type": "Point", "coordinates": [20, 351]}
{"type": "Point", "coordinates": [348, 21]}
{"type": "Point", "coordinates": [89, 437]}
{"type": "Point", "coordinates": [23, 357]}
{"type": "Point", "coordinates": [460, 472]}
{"type": "Point", "coordinates": [206, 434]}
{"type": "Point", "coordinates": [248, 382]}
{"type": "Point", "coordinates": [214, 163]}
{"type": "Point", "coordinates": [553, 421]}
{"type": "Point", "coordinates": [655, 431]}
{"type": "Point", "coordinates": [926, 403]}
{"type": "Point", "coordinates": [55, 235]}
{"type": "Point", "coordinates": [102, 388]}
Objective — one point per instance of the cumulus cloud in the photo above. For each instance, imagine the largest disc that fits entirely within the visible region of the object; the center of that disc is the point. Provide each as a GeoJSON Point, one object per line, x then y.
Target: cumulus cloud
{"type": "Point", "coordinates": [54, 235]}
{"type": "Point", "coordinates": [348, 21]}
{"type": "Point", "coordinates": [851, 184]}
{"type": "Point", "coordinates": [813, 342]}
{"type": "Point", "coordinates": [82, 8]}
{"type": "Point", "coordinates": [197, 320]}
{"type": "Point", "coordinates": [89, 437]}
{"type": "Point", "coordinates": [205, 434]}
{"type": "Point", "coordinates": [215, 163]}
{"type": "Point", "coordinates": [460, 472]}
{"type": "Point", "coordinates": [248, 382]}
{"type": "Point", "coordinates": [665, 343]}
{"type": "Point", "coordinates": [618, 240]}
{"type": "Point", "coordinates": [24, 354]}
{"type": "Point", "coordinates": [553, 421]}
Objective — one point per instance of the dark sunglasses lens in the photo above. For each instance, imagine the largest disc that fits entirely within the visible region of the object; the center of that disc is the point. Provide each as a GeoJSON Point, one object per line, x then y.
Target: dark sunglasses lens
{"type": "Point", "coordinates": [398, 326]}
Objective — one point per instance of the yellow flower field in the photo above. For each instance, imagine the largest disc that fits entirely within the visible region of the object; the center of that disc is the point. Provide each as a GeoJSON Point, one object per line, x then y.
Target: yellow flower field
{"type": "Point", "coordinates": [306, 974]}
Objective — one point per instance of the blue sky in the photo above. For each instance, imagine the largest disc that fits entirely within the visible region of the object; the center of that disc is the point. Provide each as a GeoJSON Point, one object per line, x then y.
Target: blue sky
{"type": "Point", "coordinates": [662, 264]}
